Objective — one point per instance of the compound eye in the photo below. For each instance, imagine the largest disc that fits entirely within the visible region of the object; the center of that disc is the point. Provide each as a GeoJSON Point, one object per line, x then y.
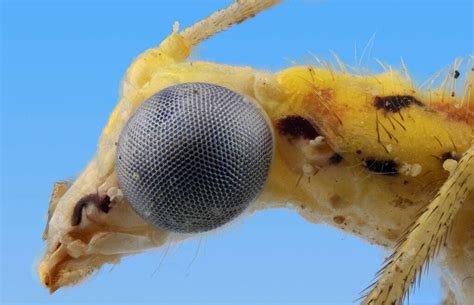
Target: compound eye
{"type": "Point", "coordinates": [193, 157]}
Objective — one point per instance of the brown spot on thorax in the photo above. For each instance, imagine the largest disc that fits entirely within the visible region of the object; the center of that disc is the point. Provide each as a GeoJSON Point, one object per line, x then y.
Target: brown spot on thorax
{"type": "Point", "coordinates": [322, 102]}
{"type": "Point", "coordinates": [460, 114]}
{"type": "Point", "coordinates": [295, 126]}
{"type": "Point", "coordinates": [338, 202]}
{"type": "Point", "coordinates": [339, 219]}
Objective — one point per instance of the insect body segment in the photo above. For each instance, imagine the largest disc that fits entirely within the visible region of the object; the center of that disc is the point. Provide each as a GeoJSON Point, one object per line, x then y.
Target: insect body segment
{"type": "Point", "coordinates": [377, 120]}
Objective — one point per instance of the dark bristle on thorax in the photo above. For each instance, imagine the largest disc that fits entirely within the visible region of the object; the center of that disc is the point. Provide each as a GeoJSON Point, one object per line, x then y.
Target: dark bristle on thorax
{"type": "Point", "coordinates": [295, 126]}
{"type": "Point", "coordinates": [394, 103]}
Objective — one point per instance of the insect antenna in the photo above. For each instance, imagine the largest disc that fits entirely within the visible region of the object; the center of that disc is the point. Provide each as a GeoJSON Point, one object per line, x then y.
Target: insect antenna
{"type": "Point", "coordinates": [217, 22]}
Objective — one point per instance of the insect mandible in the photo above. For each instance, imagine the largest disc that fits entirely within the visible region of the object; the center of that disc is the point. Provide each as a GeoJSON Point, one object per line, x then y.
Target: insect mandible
{"type": "Point", "coordinates": [385, 161]}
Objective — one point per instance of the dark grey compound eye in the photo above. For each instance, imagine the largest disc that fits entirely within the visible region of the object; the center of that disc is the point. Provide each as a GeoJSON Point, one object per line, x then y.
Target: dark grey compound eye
{"type": "Point", "coordinates": [193, 157]}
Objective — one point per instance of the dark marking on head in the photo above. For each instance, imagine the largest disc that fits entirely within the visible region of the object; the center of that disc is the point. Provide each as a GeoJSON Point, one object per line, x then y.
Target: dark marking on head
{"type": "Point", "coordinates": [449, 155]}
{"type": "Point", "coordinates": [384, 167]}
{"type": "Point", "coordinates": [394, 103]}
{"type": "Point", "coordinates": [335, 159]}
{"type": "Point", "coordinates": [359, 152]}
{"type": "Point", "coordinates": [456, 74]}
{"type": "Point", "coordinates": [295, 126]}
{"type": "Point", "coordinates": [101, 203]}
{"type": "Point", "coordinates": [80, 205]}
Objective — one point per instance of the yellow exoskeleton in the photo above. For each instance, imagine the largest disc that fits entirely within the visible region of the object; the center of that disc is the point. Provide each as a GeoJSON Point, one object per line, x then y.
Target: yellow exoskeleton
{"type": "Point", "coordinates": [384, 160]}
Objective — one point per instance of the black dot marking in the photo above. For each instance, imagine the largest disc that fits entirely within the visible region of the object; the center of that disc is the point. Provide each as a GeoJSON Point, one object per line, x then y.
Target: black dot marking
{"type": "Point", "coordinates": [394, 103]}
{"type": "Point", "coordinates": [384, 167]}
{"type": "Point", "coordinates": [335, 159]}
{"type": "Point", "coordinates": [359, 152]}
{"type": "Point", "coordinates": [456, 74]}
{"type": "Point", "coordinates": [296, 127]}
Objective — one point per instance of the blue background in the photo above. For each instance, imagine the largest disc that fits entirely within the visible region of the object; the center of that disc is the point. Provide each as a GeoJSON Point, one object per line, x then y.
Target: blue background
{"type": "Point", "coordinates": [62, 62]}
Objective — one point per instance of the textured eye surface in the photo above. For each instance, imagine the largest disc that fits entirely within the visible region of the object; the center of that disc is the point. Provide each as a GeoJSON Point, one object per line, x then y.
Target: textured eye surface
{"type": "Point", "coordinates": [193, 157]}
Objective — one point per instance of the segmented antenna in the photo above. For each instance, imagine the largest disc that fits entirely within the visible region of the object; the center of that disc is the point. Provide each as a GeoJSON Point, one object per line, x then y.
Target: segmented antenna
{"type": "Point", "coordinates": [217, 22]}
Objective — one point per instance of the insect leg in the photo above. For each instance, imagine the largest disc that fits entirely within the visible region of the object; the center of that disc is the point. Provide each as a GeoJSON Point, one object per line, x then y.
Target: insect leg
{"type": "Point", "coordinates": [424, 237]}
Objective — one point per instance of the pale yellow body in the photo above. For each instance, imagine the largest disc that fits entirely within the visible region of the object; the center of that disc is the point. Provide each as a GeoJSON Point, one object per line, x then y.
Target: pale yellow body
{"type": "Point", "coordinates": [376, 207]}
